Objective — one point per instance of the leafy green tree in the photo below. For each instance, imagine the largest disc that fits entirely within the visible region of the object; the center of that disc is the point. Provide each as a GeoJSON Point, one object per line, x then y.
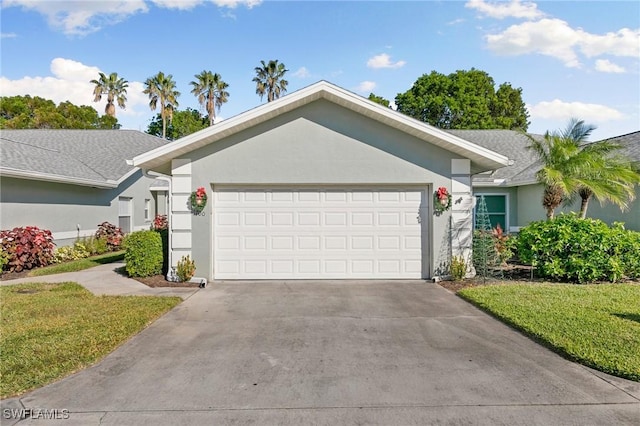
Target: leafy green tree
{"type": "Point", "coordinates": [115, 88]}
{"type": "Point", "coordinates": [161, 89]}
{"type": "Point", "coordinates": [211, 92]}
{"type": "Point", "coordinates": [26, 112]}
{"type": "Point", "coordinates": [184, 123]}
{"type": "Point", "coordinates": [570, 168]}
{"type": "Point", "coordinates": [379, 100]}
{"type": "Point", "coordinates": [464, 100]}
{"type": "Point", "coordinates": [269, 79]}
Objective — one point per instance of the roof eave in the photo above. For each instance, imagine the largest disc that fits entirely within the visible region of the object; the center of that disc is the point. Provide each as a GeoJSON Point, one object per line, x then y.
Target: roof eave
{"type": "Point", "coordinates": [46, 177]}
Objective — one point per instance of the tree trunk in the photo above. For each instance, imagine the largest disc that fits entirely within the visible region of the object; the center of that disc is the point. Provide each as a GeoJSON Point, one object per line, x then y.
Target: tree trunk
{"type": "Point", "coordinates": [164, 124]}
{"type": "Point", "coordinates": [550, 213]}
{"type": "Point", "coordinates": [585, 195]}
{"type": "Point", "coordinates": [211, 110]}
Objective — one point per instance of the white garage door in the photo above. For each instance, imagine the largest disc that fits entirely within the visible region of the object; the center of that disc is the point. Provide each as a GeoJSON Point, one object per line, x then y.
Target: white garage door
{"type": "Point", "coordinates": [305, 233]}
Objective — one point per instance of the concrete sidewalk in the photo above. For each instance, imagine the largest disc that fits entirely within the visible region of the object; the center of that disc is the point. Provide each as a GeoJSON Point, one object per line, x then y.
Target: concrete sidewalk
{"type": "Point", "coordinates": [105, 280]}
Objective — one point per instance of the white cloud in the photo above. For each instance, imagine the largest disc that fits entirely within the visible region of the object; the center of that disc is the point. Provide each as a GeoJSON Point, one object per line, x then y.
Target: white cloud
{"type": "Point", "coordinates": [366, 87]}
{"type": "Point", "coordinates": [302, 72]}
{"type": "Point", "coordinates": [384, 61]}
{"type": "Point", "coordinates": [456, 21]}
{"type": "Point", "coordinates": [77, 17]}
{"type": "Point", "coordinates": [555, 38]}
{"type": "Point", "coordinates": [70, 82]}
{"type": "Point", "coordinates": [8, 35]}
{"type": "Point", "coordinates": [604, 65]}
{"type": "Point", "coordinates": [81, 17]}
{"type": "Point", "coordinates": [557, 109]}
{"type": "Point", "coordinates": [501, 10]}
{"type": "Point", "coordinates": [190, 4]}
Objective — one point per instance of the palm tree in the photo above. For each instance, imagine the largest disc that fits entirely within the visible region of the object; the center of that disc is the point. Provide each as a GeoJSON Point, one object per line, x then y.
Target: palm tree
{"type": "Point", "coordinates": [115, 88]}
{"type": "Point", "coordinates": [558, 152]}
{"type": "Point", "coordinates": [269, 79]}
{"type": "Point", "coordinates": [570, 168]}
{"type": "Point", "coordinates": [211, 93]}
{"type": "Point", "coordinates": [162, 89]}
{"type": "Point", "coordinates": [610, 177]}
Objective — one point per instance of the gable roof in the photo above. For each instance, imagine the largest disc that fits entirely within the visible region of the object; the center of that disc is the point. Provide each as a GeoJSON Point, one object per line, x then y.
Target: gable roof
{"type": "Point", "coordinates": [95, 158]}
{"type": "Point", "coordinates": [481, 157]}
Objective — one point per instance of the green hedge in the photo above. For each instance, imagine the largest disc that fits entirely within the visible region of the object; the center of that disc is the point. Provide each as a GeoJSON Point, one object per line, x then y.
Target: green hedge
{"type": "Point", "coordinates": [572, 249]}
{"type": "Point", "coordinates": [143, 255]}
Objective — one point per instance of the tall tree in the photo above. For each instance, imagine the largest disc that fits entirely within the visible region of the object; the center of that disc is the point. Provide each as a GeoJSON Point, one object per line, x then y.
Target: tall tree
{"type": "Point", "coordinates": [162, 89]}
{"type": "Point", "coordinates": [183, 123]}
{"type": "Point", "coordinates": [211, 92]}
{"type": "Point", "coordinates": [26, 112]}
{"type": "Point", "coordinates": [115, 88]}
{"type": "Point", "coordinates": [269, 79]}
{"type": "Point", "coordinates": [570, 168]}
{"type": "Point", "coordinates": [464, 100]}
{"type": "Point", "coordinates": [379, 100]}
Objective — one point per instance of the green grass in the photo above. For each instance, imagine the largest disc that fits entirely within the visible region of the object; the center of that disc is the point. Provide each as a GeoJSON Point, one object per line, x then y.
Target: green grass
{"type": "Point", "coordinates": [78, 265]}
{"type": "Point", "coordinates": [52, 330]}
{"type": "Point", "coordinates": [595, 325]}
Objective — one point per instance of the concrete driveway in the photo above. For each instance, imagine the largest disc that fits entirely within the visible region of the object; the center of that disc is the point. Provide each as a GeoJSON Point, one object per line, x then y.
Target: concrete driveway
{"type": "Point", "coordinates": [388, 353]}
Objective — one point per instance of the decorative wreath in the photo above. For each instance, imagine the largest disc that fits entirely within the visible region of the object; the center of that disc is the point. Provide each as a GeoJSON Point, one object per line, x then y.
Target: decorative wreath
{"type": "Point", "coordinates": [441, 200]}
{"type": "Point", "coordinates": [198, 200]}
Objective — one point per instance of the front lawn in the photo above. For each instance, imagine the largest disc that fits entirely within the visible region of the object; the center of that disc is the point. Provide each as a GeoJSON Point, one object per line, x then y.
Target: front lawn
{"type": "Point", "coordinates": [596, 325]}
{"type": "Point", "coordinates": [78, 265]}
{"type": "Point", "coordinates": [52, 330]}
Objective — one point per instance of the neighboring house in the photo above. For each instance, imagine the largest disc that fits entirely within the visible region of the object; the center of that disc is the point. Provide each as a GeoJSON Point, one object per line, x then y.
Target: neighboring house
{"type": "Point", "coordinates": [514, 197]}
{"type": "Point", "coordinates": [69, 181]}
{"type": "Point", "coordinates": [321, 183]}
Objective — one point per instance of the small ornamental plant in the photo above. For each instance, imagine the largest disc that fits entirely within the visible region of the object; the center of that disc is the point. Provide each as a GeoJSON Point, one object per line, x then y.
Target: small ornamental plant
{"type": "Point", "coordinates": [186, 269]}
{"type": "Point", "coordinates": [198, 200]}
{"type": "Point", "coordinates": [160, 222]}
{"type": "Point", "coordinates": [441, 200]}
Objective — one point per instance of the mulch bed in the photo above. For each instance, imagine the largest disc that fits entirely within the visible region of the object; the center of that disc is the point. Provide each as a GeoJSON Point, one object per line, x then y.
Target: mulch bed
{"type": "Point", "coordinates": [160, 281]}
{"type": "Point", "coordinates": [6, 276]}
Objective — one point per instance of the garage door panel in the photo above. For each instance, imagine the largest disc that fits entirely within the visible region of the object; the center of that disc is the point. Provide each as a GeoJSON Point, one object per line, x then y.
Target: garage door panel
{"type": "Point", "coordinates": [263, 233]}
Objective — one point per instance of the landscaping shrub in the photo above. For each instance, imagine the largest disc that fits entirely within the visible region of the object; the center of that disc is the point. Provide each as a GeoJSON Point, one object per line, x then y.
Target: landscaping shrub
{"type": "Point", "coordinates": [68, 253]}
{"type": "Point", "coordinates": [186, 269]}
{"type": "Point", "coordinates": [94, 245]}
{"type": "Point", "coordinates": [143, 255]}
{"type": "Point", "coordinates": [160, 222]}
{"type": "Point", "coordinates": [458, 268]}
{"type": "Point", "coordinates": [4, 259]}
{"type": "Point", "coordinates": [579, 250]}
{"type": "Point", "coordinates": [27, 248]}
{"type": "Point", "coordinates": [112, 234]}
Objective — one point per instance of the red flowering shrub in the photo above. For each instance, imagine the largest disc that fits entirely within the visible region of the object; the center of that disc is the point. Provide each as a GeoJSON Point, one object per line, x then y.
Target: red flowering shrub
{"type": "Point", "coordinates": [27, 248]}
{"type": "Point", "coordinates": [112, 234]}
{"type": "Point", "coordinates": [160, 222]}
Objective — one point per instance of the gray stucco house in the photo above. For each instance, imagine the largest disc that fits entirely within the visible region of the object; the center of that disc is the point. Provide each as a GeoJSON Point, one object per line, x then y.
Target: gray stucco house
{"type": "Point", "coordinates": [514, 197]}
{"type": "Point", "coordinates": [321, 183]}
{"type": "Point", "coordinates": [69, 181]}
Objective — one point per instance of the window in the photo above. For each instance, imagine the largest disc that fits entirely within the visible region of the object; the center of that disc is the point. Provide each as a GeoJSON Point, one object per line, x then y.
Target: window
{"type": "Point", "coordinates": [496, 208]}
{"type": "Point", "coordinates": [147, 209]}
{"type": "Point", "coordinates": [124, 214]}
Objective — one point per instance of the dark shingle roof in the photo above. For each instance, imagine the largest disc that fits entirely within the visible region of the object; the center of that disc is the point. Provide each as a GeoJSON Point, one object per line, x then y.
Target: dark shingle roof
{"type": "Point", "coordinates": [98, 156]}
{"type": "Point", "coordinates": [525, 165]}
{"type": "Point", "coordinates": [510, 143]}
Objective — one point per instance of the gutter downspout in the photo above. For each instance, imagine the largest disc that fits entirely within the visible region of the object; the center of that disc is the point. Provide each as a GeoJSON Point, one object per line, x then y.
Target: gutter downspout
{"type": "Point", "coordinates": [155, 175]}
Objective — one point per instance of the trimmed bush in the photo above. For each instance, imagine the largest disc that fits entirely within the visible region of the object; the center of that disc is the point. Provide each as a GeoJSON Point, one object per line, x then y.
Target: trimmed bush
{"type": "Point", "coordinates": [27, 248]}
{"type": "Point", "coordinates": [143, 255]}
{"type": "Point", "coordinates": [569, 248]}
{"type": "Point", "coordinates": [112, 234]}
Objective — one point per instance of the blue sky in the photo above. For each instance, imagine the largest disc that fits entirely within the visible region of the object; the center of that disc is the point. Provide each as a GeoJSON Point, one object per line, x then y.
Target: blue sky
{"type": "Point", "coordinates": [571, 58]}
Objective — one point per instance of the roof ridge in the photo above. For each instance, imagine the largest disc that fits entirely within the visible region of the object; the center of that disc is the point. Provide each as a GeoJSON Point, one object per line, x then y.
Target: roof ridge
{"type": "Point", "coordinates": [31, 145]}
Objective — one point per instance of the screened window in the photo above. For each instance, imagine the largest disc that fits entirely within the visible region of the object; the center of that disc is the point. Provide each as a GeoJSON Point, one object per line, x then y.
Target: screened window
{"type": "Point", "coordinates": [124, 214]}
{"type": "Point", "coordinates": [496, 210]}
{"type": "Point", "coordinates": [147, 209]}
